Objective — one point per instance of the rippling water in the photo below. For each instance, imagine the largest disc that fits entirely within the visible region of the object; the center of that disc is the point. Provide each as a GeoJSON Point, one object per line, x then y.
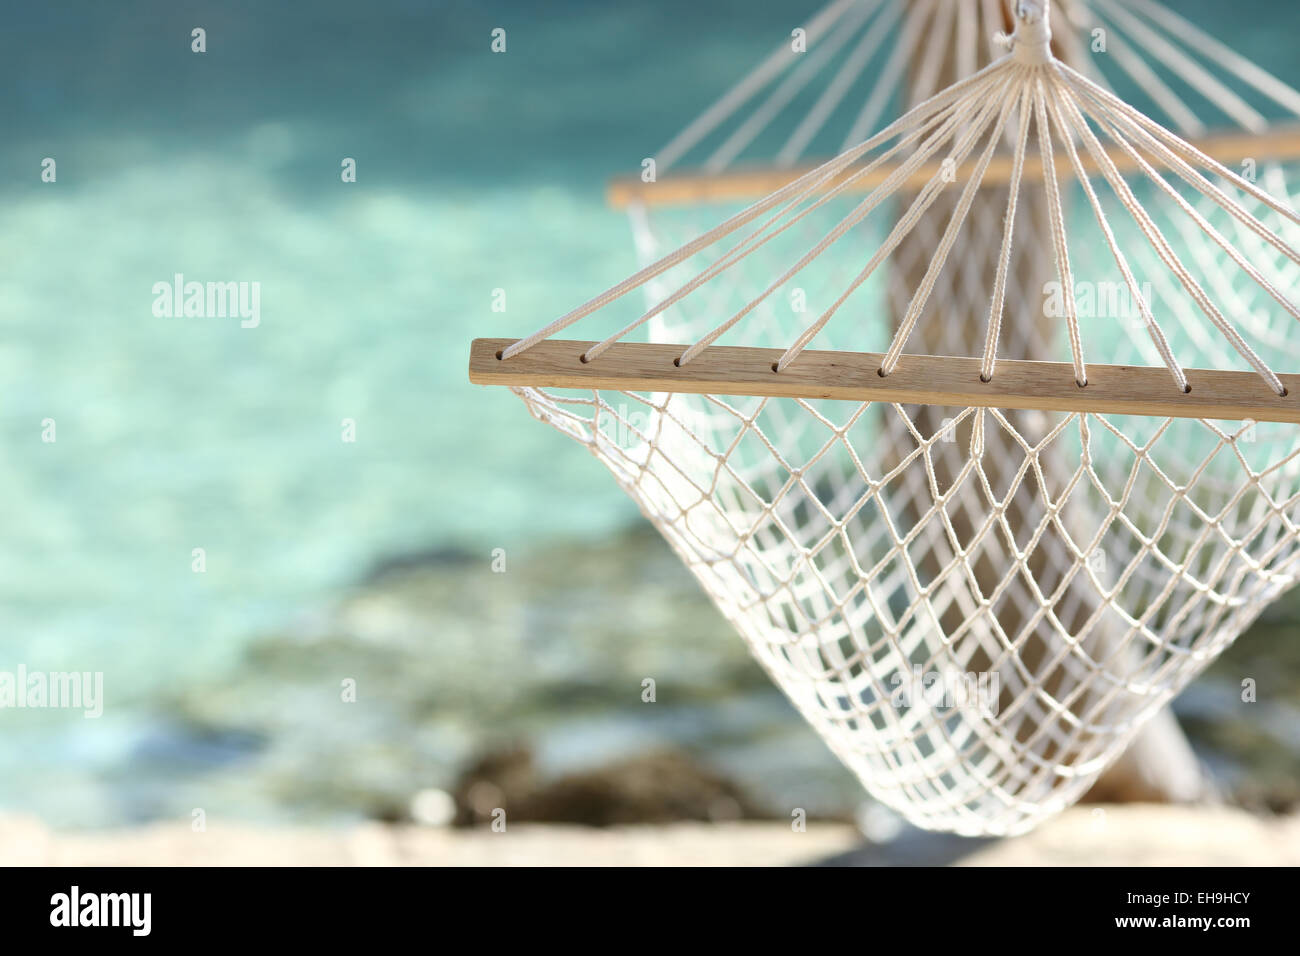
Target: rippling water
{"type": "Point", "coordinates": [475, 172]}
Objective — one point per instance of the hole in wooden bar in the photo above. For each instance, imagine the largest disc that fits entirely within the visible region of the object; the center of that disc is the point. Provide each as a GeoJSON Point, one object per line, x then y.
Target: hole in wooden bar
{"type": "Point", "coordinates": [926, 380]}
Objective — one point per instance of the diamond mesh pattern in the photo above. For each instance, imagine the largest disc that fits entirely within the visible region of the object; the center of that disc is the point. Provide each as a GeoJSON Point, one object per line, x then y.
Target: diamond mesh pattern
{"type": "Point", "coordinates": [1049, 611]}
{"type": "Point", "coordinates": [976, 609]}
{"type": "Point", "coordinates": [1052, 591]}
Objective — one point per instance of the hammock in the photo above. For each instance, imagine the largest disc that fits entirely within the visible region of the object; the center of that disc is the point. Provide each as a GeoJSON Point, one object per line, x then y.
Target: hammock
{"type": "Point", "coordinates": [976, 578]}
{"type": "Point", "coordinates": [865, 57]}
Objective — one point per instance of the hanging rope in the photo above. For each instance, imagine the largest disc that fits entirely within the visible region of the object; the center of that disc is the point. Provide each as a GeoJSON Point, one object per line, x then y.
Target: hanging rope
{"type": "Point", "coordinates": [1053, 577]}
{"type": "Point", "coordinates": [950, 124]}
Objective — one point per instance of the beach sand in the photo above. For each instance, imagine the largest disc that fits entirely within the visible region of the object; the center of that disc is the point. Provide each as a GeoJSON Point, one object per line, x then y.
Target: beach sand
{"type": "Point", "coordinates": [1130, 835]}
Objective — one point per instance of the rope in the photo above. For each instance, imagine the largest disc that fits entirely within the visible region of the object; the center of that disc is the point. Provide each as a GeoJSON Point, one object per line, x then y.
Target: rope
{"type": "Point", "coordinates": [851, 543]}
{"type": "Point", "coordinates": [922, 294]}
{"type": "Point", "coordinates": [1059, 241]}
{"type": "Point", "coordinates": [1032, 42]}
{"type": "Point", "coordinates": [821, 54]}
{"type": "Point", "coordinates": [1223, 56]}
{"type": "Point", "coordinates": [1141, 73]}
{"type": "Point", "coordinates": [1023, 77]}
{"type": "Point", "coordinates": [891, 75]}
{"type": "Point", "coordinates": [1148, 320]}
{"type": "Point", "coordinates": [1165, 251]}
{"type": "Point", "coordinates": [1156, 31]}
{"type": "Point", "coordinates": [1217, 237]}
{"type": "Point", "coordinates": [757, 239]}
{"type": "Point", "coordinates": [1004, 255]}
{"type": "Point", "coordinates": [842, 575]}
{"type": "Point", "coordinates": [904, 226]}
{"type": "Point", "coordinates": [1192, 72]}
{"type": "Point", "coordinates": [1173, 152]}
{"type": "Point", "coordinates": [821, 173]}
{"type": "Point", "coordinates": [838, 88]}
{"type": "Point", "coordinates": [738, 95]}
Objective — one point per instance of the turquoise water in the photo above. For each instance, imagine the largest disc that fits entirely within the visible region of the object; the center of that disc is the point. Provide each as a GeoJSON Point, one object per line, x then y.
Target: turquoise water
{"type": "Point", "coordinates": [475, 172]}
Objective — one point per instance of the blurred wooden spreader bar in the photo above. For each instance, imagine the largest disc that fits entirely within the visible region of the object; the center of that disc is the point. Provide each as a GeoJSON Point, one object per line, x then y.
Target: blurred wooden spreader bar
{"type": "Point", "coordinates": [918, 379]}
{"type": "Point", "coordinates": [739, 185]}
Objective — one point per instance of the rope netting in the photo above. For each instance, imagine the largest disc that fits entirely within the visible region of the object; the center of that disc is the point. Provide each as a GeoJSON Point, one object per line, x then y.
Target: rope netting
{"type": "Point", "coordinates": [977, 609]}
{"type": "Point", "coordinates": [867, 60]}
{"type": "Point", "coordinates": [1031, 615]}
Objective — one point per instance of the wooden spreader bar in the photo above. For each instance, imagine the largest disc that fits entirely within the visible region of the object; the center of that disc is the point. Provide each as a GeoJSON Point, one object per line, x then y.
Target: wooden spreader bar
{"type": "Point", "coordinates": [742, 184]}
{"type": "Point", "coordinates": [918, 379]}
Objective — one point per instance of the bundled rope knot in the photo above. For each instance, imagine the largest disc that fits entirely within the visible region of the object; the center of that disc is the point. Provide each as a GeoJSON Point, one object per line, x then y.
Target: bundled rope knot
{"type": "Point", "coordinates": [1032, 41]}
{"type": "Point", "coordinates": [1072, 570]}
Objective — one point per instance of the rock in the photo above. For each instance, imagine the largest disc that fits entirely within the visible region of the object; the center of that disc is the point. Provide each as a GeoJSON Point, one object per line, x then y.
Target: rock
{"type": "Point", "coordinates": [657, 787]}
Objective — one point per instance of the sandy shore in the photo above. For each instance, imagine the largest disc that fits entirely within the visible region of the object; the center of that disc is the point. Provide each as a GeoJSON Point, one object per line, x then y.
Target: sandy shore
{"type": "Point", "coordinates": [1119, 835]}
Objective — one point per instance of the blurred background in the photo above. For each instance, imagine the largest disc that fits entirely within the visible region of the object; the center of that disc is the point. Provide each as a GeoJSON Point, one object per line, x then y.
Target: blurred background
{"type": "Point", "coordinates": [373, 560]}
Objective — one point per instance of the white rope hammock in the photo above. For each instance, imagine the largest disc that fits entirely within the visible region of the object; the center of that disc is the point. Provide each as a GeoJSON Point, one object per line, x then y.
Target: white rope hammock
{"type": "Point", "coordinates": [1227, 86]}
{"type": "Point", "coordinates": [976, 608]}
{"type": "Point", "coordinates": [861, 54]}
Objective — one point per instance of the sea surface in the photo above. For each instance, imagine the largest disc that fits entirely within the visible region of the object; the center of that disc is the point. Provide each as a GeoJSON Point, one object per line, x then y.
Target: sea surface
{"type": "Point", "coordinates": [475, 172]}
